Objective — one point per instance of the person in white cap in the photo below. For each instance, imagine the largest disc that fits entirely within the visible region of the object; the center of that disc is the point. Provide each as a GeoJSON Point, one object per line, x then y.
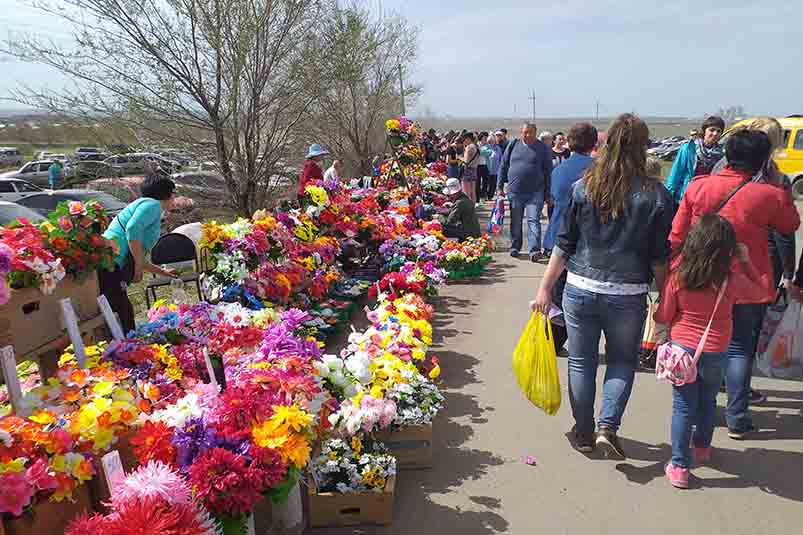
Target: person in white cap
{"type": "Point", "coordinates": [462, 221]}
{"type": "Point", "coordinates": [311, 171]}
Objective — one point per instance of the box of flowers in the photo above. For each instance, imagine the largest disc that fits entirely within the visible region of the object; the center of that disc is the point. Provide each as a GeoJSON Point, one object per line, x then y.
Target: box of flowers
{"type": "Point", "coordinates": [40, 265]}
{"type": "Point", "coordinates": [352, 482]}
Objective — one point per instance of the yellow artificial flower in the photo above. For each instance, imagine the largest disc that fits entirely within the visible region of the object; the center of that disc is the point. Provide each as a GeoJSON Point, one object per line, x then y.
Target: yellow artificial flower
{"type": "Point", "coordinates": [293, 417]}
{"type": "Point", "coordinates": [356, 446]}
{"type": "Point", "coordinates": [43, 417]}
{"type": "Point", "coordinates": [17, 465]}
{"type": "Point", "coordinates": [317, 194]}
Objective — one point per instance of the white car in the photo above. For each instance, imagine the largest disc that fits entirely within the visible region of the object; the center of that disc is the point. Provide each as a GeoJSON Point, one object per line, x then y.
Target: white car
{"type": "Point", "coordinates": [13, 189]}
{"type": "Point", "coordinates": [10, 156]}
{"type": "Point", "coordinates": [34, 172]}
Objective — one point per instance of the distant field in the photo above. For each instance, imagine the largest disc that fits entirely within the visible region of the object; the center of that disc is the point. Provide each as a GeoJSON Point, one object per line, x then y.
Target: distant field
{"type": "Point", "coordinates": [659, 126]}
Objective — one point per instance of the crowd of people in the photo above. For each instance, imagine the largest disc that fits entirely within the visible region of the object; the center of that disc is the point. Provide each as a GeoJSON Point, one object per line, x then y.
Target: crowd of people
{"type": "Point", "coordinates": [715, 240]}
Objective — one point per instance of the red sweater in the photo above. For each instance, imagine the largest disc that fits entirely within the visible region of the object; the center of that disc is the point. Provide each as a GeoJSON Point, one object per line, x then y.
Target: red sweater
{"type": "Point", "coordinates": [311, 172]}
{"type": "Point", "coordinates": [687, 311]}
{"type": "Point", "coordinates": [752, 211]}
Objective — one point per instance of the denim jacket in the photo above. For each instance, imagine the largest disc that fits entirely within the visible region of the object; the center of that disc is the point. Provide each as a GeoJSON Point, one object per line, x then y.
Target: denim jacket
{"type": "Point", "coordinates": [622, 250]}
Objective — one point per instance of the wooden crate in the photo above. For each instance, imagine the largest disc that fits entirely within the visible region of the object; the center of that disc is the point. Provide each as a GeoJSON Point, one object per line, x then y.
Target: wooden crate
{"type": "Point", "coordinates": [411, 445]}
{"type": "Point", "coordinates": [333, 509]}
{"type": "Point", "coordinates": [30, 320]}
{"type": "Point", "coordinates": [49, 517]}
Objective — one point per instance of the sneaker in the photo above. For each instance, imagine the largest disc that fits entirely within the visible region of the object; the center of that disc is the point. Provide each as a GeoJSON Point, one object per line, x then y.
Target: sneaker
{"type": "Point", "coordinates": [701, 455]}
{"type": "Point", "coordinates": [514, 254]}
{"type": "Point", "coordinates": [547, 253]}
{"type": "Point", "coordinates": [582, 442]}
{"type": "Point", "coordinates": [535, 257]}
{"type": "Point", "coordinates": [679, 477]}
{"type": "Point", "coordinates": [756, 397]}
{"type": "Point", "coordinates": [740, 435]}
{"type": "Point", "coordinates": [608, 442]}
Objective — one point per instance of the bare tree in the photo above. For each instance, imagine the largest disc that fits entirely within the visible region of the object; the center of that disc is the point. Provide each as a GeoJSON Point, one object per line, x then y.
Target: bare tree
{"type": "Point", "coordinates": [369, 51]}
{"type": "Point", "coordinates": [227, 80]}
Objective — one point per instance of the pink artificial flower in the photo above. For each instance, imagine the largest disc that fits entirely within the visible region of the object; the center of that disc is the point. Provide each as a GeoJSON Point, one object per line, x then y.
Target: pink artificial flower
{"type": "Point", "coordinates": [17, 493]}
{"type": "Point", "coordinates": [39, 476]}
{"type": "Point", "coordinates": [153, 480]}
{"type": "Point", "coordinates": [76, 208]}
{"type": "Point", "coordinates": [5, 292]}
{"type": "Point", "coordinates": [65, 223]}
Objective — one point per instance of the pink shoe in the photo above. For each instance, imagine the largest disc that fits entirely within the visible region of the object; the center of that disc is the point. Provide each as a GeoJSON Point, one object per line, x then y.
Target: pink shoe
{"type": "Point", "coordinates": [679, 477]}
{"type": "Point", "coordinates": [701, 455]}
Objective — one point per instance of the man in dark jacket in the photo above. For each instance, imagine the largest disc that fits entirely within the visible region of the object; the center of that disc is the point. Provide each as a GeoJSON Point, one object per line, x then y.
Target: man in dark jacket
{"type": "Point", "coordinates": [526, 168]}
{"type": "Point", "coordinates": [462, 221]}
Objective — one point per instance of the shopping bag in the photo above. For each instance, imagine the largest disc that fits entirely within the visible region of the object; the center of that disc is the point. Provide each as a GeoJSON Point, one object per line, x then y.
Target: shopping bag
{"type": "Point", "coordinates": [497, 219]}
{"type": "Point", "coordinates": [783, 357]}
{"type": "Point", "coordinates": [536, 365]}
{"type": "Point", "coordinates": [655, 334]}
{"type": "Point", "coordinates": [771, 321]}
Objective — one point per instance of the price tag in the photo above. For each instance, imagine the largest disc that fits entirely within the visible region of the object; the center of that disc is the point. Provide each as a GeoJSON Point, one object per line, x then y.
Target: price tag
{"type": "Point", "coordinates": [210, 369]}
{"type": "Point", "coordinates": [112, 469]}
{"type": "Point", "coordinates": [71, 324]}
{"type": "Point", "coordinates": [111, 318]}
{"type": "Point", "coordinates": [9, 365]}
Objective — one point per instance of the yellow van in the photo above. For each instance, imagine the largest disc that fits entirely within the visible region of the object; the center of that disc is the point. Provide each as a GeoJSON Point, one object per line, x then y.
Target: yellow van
{"type": "Point", "coordinates": [789, 156]}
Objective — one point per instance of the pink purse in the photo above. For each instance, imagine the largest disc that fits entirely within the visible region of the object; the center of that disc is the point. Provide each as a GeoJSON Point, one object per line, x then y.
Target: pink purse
{"type": "Point", "coordinates": [675, 364]}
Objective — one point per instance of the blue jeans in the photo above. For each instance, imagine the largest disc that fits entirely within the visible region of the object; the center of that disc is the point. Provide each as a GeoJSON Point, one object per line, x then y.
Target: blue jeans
{"type": "Point", "coordinates": [530, 204]}
{"type": "Point", "coordinates": [621, 318]}
{"type": "Point", "coordinates": [738, 363]}
{"type": "Point", "coordinates": [695, 404]}
{"type": "Point", "coordinates": [453, 171]}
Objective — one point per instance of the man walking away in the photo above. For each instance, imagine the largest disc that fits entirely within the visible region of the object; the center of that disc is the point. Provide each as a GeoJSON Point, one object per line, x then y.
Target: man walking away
{"type": "Point", "coordinates": [526, 168]}
{"type": "Point", "coordinates": [54, 175]}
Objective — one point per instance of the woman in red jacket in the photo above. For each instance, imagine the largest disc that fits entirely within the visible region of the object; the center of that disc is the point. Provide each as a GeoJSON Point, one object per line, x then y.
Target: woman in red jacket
{"type": "Point", "coordinates": [752, 207]}
{"type": "Point", "coordinates": [312, 170]}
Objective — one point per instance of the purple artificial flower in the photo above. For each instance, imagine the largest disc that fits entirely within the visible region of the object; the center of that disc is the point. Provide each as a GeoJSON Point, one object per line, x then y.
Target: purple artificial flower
{"type": "Point", "coordinates": [6, 255]}
{"type": "Point", "coordinates": [192, 440]}
{"type": "Point", "coordinates": [293, 318]}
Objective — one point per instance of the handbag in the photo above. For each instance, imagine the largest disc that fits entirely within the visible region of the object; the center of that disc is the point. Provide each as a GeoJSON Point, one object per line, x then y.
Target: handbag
{"type": "Point", "coordinates": [675, 364]}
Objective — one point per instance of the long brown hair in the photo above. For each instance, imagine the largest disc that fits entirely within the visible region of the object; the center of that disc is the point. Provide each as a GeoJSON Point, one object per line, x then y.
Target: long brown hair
{"type": "Point", "coordinates": [623, 157]}
{"type": "Point", "coordinates": [707, 253]}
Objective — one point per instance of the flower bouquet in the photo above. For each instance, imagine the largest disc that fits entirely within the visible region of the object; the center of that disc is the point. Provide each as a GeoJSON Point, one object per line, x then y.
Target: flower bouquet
{"type": "Point", "coordinates": [33, 265]}
{"type": "Point", "coordinates": [73, 233]}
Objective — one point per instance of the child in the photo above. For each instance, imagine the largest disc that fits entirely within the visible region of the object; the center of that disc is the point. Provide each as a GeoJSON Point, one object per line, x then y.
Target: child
{"type": "Point", "coordinates": [687, 304]}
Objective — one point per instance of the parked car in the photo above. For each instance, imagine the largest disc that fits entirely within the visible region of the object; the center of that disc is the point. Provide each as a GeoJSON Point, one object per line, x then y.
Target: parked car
{"type": "Point", "coordinates": [10, 156]}
{"type": "Point", "coordinates": [91, 170]}
{"type": "Point", "coordinates": [14, 189]}
{"type": "Point", "coordinates": [120, 148]}
{"type": "Point", "coordinates": [207, 182]}
{"type": "Point", "coordinates": [10, 212]}
{"type": "Point", "coordinates": [46, 201]}
{"type": "Point", "coordinates": [182, 158]}
{"type": "Point", "coordinates": [34, 172]}
{"type": "Point", "coordinates": [95, 157]}
{"type": "Point", "coordinates": [81, 152]}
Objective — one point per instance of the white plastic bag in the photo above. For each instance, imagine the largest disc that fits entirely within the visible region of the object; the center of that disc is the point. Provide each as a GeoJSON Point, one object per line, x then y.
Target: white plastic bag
{"type": "Point", "coordinates": [784, 355]}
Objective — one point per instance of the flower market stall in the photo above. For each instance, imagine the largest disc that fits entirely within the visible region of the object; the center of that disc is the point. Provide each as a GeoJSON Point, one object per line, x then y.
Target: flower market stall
{"type": "Point", "coordinates": [211, 410]}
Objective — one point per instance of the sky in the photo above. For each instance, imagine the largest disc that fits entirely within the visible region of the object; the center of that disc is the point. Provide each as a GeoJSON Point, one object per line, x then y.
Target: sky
{"type": "Point", "coordinates": [484, 58]}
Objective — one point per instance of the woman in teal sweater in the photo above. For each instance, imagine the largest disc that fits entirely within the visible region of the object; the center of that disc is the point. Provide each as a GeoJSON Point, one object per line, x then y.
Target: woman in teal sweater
{"type": "Point", "coordinates": [135, 230]}
{"type": "Point", "coordinates": [697, 157]}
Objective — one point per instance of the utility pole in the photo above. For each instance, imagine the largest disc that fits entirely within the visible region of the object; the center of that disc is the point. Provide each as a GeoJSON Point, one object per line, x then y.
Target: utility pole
{"type": "Point", "coordinates": [532, 98]}
{"type": "Point", "coordinates": [401, 88]}
{"type": "Point", "coordinates": [597, 116]}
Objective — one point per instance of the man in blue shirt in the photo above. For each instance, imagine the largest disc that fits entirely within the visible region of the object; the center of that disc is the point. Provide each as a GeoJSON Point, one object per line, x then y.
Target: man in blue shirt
{"type": "Point", "coordinates": [54, 175]}
{"type": "Point", "coordinates": [526, 168]}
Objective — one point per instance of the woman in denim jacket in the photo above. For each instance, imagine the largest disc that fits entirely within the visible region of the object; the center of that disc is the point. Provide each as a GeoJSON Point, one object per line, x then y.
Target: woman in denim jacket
{"type": "Point", "coordinates": [613, 242]}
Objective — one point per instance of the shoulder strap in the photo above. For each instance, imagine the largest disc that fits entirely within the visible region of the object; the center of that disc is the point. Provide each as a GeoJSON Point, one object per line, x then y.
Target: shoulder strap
{"type": "Point", "coordinates": [730, 196]}
{"type": "Point", "coordinates": [701, 345]}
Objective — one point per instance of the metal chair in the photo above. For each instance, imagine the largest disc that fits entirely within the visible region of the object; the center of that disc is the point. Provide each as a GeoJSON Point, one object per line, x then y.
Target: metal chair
{"type": "Point", "coordinates": [171, 249]}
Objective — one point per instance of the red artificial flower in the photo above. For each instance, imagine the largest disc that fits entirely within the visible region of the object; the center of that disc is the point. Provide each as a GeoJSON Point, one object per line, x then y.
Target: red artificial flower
{"type": "Point", "coordinates": [224, 483]}
{"type": "Point", "coordinates": [153, 442]}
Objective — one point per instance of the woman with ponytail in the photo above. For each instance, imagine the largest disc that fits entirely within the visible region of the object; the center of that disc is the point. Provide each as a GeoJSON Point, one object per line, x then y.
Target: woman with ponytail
{"type": "Point", "coordinates": [613, 242]}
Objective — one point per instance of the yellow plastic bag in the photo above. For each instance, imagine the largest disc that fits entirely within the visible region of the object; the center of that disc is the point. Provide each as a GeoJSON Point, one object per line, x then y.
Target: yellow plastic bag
{"type": "Point", "coordinates": [536, 365]}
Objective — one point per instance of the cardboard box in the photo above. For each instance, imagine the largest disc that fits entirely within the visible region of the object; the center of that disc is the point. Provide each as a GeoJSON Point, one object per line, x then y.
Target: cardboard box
{"type": "Point", "coordinates": [333, 509]}
{"type": "Point", "coordinates": [31, 319]}
{"type": "Point", "coordinates": [411, 445]}
{"type": "Point", "coordinates": [50, 517]}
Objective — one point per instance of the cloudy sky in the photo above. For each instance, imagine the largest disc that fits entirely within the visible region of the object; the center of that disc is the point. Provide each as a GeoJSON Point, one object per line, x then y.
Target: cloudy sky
{"type": "Point", "coordinates": [483, 58]}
